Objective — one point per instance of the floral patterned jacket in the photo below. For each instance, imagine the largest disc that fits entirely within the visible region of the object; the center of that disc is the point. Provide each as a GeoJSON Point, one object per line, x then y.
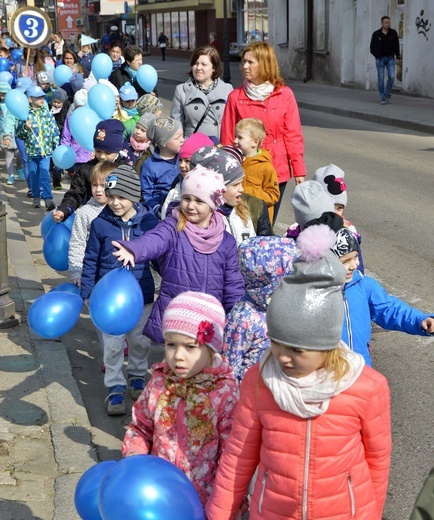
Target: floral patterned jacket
{"type": "Point", "coordinates": [43, 137]}
{"type": "Point", "coordinates": [185, 421]}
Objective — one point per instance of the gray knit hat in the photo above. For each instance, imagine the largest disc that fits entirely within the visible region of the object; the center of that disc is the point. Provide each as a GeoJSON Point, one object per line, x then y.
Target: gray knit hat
{"type": "Point", "coordinates": [60, 95]}
{"type": "Point", "coordinates": [331, 178]}
{"type": "Point", "coordinates": [220, 161]}
{"type": "Point", "coordinates": [345, 243]}
{"type": "Point", "coordinates": [124, 182]}
{"type": "Point", "coordinates": [161, 129]}
{"type": "Point", "coordinates": [310, 201]}
{"type": "Point", "coordinates": [145, 119]}
{"type": "Point", "coordinates": [307, 310]}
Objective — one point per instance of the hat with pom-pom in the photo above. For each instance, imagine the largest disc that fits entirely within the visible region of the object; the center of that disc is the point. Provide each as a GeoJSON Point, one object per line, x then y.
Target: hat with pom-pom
{"type": "Point", "coordinates": [331, 178]}
{"type": "Point", "coordinates": [307, 310]}
{"type": "Point", "coordinates": [197, 315]}
{"type": "Point", "coordinates": [207, 185]}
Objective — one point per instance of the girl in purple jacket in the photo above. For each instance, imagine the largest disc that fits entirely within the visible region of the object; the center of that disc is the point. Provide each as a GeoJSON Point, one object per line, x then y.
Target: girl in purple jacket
{"type": "Point", "coordinates": [192, 248]}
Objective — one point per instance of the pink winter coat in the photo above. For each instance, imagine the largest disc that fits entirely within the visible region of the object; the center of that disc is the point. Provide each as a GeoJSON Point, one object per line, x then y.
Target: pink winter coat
{"type": "Point", "coordinates": [284, 136]}
{"type": "Point", "coordinates": [193, 441]}
{"type": "Point", "coordinates": [334, 466]}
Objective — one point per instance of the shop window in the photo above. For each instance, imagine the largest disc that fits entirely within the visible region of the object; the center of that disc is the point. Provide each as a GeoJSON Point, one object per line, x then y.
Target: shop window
{"type": "Point", "coordinates": [255, 20]}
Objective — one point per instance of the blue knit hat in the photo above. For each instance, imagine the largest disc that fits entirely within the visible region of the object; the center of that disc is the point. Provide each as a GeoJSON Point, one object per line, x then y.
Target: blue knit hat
{"type": "Point", "coordinates": [108, 136]}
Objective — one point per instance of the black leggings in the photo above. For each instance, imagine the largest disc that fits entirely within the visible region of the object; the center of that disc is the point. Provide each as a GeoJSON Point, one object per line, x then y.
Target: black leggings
{"type": "Point", "coordinates": [282, 187]}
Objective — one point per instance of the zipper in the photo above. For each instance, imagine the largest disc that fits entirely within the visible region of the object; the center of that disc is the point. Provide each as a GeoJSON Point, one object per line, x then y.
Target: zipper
{"type": "Point", "coordinates": [347, 316]}
{"type": "Point", "coordinates": [261, 497]}
{"type": "Point", "coordinates": [180, 413]}
{"type": "Point", "coordinates": [351, 492]}
{"type": "Point", "coordinates": [306, 468]}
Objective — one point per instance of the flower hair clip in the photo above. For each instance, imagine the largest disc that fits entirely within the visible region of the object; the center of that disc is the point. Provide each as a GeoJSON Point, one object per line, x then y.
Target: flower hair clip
{"type": "Point", "coordinates": [218, 196]}
{"type": "Point", "coordinates": [205, 332]}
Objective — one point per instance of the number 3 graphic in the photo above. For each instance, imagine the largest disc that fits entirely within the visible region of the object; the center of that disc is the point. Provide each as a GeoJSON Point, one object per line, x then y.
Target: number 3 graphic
{"type": "Point", "coordinates": [32, 31]}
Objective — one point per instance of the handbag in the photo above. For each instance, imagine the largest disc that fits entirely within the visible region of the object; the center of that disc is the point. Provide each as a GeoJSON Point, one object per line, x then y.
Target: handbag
{"type": "Point", "coordinates": [208, 108]}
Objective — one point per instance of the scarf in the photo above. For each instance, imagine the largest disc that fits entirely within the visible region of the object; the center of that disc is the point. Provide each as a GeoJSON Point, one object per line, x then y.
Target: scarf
{"type": "Point", "coordinates": [204, 240]}
{"type": "Point", "coordinates": [130, 111]}
{"type": "Point", "coordinates": [139, 146]}
{"type": "Point", "coordinates": [308, 396]}
{"type": "Point", "coordinates": [258, 92]}
{"type": "Point", "coordinates": [131, 72]}
{"type": "Point", "coordinates": [199, 413]}
{"type": "Point", "coordinates": [205, 90]}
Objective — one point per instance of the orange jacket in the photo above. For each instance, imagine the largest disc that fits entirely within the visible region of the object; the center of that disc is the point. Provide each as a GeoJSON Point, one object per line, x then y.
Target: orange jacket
{"type": "Point", "coordinates": [334, 466]}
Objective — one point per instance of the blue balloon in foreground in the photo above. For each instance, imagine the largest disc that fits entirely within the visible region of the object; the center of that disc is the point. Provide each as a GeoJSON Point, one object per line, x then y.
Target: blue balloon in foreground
{"type": "Point", "coordinates": [62, 75]}
{"type": "Point", "coordinates": [82, 124]}
{"type": "Point", "coordinates": [69, 222]}
{"type": "Point", "coordinates": [17, 104]}
{"type": "Point", "coordinates": [146, 487]}
{"type": "Point", "coordinates": [64, 157]}
{"type": "Point", "coordinates": [47, 224]}
{"type": "Point", "coordinates": [56, 246]}
{"type": "Point", "coordinates": [6, 77]}
{"type": "Point", "coordinates": [86, 491]}
{"type": "Point", "coordinates": [102, 100]}
{"type": "Point", "coordinates": [102, 66]}
{"type": "Point", "coordinates": [4, 64]}
{"type": "Point", "coordinates": [147, 77]}
{"type": "Point", "coordinates": [116, 303]}
{"type": "Point", "coordinates": [54, 314]}
{"type": "Point", "coordinates": [66, 287]}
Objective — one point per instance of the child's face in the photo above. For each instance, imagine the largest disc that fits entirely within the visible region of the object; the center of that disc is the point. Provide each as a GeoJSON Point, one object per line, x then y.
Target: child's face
{"type": "Point", "coordinates": [339, 209]}
{"type": "Point", "coordinates": [175, 143]}
{"type": "Point", "coordinates": [98, 191]}
{"type": "Point", "coordinates": [245, 142]}
{"type": "Point", "coordinates": [37, 102]}
{"type": "Point", "coordinates": [56, 103]}
{"type": "Point", "coordinates": [115, 53]}
{"type": "Point", "coordinates": [68, 60]}
{"type": "Point", "coordinates": [184, 166]}
{"type": "Point", "coordinates": [45, 87]}
{"type": "Point", "coordinates": [129, 104]}
{"type": "Point", "coordinates": [140, 133]}
{"type": "Point", "coordinates": [233, 193]}
{"type": "Point", "coordinates": [185, 356]}
{"type": "Point", "coordinates": [297, 362]}
{"type": "Point", "coordinates": [121, 207]}
{"type": "Point", "coordinates": [4, 54]}
{"type": "Point", "coordinates": [101, 155]}
{"type": "Point", "coordinates": [85, 49]}
{"type": "Point", "coordinates": [2, 96]}
{"type": "Point", "coordinates": [351, 262]}
{"type": "Point", "coordinates": [195, 210]}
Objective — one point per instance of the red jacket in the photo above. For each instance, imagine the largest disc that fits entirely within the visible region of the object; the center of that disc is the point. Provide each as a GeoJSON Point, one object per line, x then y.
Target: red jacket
{"type": "Point", "coordinates": [284, 137]}
{"type": "Point", "coordinates": [334, 466]}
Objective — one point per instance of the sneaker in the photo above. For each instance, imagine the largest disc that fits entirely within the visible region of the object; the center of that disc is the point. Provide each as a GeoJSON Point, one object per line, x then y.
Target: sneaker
{"type": "Point", "coordinates": [21, 174]}
{"type": "Point", "coordinates": [29, 194]}
{"type": "Point", "coordinates": [36, 202]}
{"type": "Point", "coordinates": [136, 385]}
{"type": "Point", "coordinates": [383, 102]}
{"type": "Point", "coordinates": [11, 180]}
{"type": "Point", "coordinates": [57, 187]}
{"type": "Point", "coordinates": [116, 400]}
{"type": "Point", "coordinates": [49, 204]}
{"type": "Point", "coordinates": [388, 100]}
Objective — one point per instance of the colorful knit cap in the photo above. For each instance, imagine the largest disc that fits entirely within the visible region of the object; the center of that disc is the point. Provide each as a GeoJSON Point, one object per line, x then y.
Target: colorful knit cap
{"type": "Point", "coordinates": [125, 182]}
{"type": "Point", "coordinates": [148, 104]}
{"type": "Point", "coordinates": [223, 162]}
{"type": "Point", "coordinates": [345, 244]}
{"type": "Point", "coordinates": [206, 185]}
{"type": "Point", "coordinates": [192, 144]}
{"type": "Point", "coordinates": [109, 136]}
{"type": "Point", "coordinates": [197, 315]}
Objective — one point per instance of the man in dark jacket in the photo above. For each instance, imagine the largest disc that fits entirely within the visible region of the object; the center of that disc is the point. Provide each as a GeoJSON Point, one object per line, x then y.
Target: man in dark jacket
{"type": "Point", "coordinates": [385, 48]}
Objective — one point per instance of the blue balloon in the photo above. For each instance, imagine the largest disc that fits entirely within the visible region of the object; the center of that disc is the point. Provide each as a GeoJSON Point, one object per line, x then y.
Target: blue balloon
{"type": "Point", "coordinates": [49, 66]}
{"type": "Point", "coordinates": [17, 104]}
{"type": "Point", "coordinates": [62, 75]}
{"type": "Point", "coordinates": [146, 487]}
{"type": "Point", "coordinates": [116, 303]}
{"type": "Point", "coordinates": [55, 247]}
{"type": "Point", "coordinates": [66, 287]}
{"type": "Point", "coordinates": [64, 156]}
{"type": "Point", "coordinates": [4, 64]}
{"type": "Point", "coordinates": [86, 491]}
{"type": "Point", "coordinates": [8, 42]}
{"type": "Point", "coordinates": [6, 76]}
{"type": "Point", "coordinates": [47, 224]}
{"type": "Point", "coordinates": [102, 100]}
{"type": "Point", "coordinates": [69, 222]}
{"type": "Point", "coordinates": [54, 314]}
{"type": "Point", "coordinates": [102, 66]}
{"type": "Point", "coordinates": [147, 77]}
{"type": "Point", "coordinates": [17, 54]}
{"type": "Point", "coordinates": [82, 124]}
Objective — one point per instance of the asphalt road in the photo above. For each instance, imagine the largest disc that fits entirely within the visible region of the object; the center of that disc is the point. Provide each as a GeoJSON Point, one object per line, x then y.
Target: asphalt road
{"type": "Point", "coordinates": [389, 179]}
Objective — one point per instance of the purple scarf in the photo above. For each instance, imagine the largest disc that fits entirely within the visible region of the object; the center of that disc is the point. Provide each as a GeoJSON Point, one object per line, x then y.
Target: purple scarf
{"type": "Point", "coordinates": [204, 240]}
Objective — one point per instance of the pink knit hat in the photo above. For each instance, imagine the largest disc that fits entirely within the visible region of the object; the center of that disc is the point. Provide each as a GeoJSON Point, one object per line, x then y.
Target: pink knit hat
{"type": "Point", "coordinates": [192, 144]}
{"type": "Point", "coordinates": [197, 315]}
{"type": "Point", "coordinates": [206, 185]}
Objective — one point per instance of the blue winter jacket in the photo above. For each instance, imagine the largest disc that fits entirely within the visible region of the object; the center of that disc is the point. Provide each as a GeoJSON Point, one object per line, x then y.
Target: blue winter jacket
{"type": "Point", "coordinates": [182, 268]}
{"type": "Point", "coordinates": [99, 258]}
{"type": "Point", "coordinates": [365, 300]}
{"type": "Point", "coordinates": [156, 178]}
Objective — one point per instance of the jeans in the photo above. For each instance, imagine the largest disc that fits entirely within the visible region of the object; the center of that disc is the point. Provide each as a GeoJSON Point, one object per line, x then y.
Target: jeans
{"type": "Point", "coordinates": [39, 175]}
{"type": "Point", "coordinates": [386, 62]}
{"type": "Point", "coordinates": [22, 150]}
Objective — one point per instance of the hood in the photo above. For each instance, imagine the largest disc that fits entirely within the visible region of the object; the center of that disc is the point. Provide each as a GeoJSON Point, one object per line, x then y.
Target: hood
{"type": "Point", "coordinates": [263, 156]}
{"type": "Point", "coordinates": [264, 261]}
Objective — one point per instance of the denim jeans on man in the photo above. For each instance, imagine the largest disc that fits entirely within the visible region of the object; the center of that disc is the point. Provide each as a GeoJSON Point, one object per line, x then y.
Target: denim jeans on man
{"type": "Point", "coordinates": [386, 62]}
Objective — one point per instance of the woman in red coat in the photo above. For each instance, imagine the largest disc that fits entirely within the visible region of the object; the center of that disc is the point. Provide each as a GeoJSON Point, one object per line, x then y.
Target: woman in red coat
{"type": "Point", "coordinates": [265, 96]}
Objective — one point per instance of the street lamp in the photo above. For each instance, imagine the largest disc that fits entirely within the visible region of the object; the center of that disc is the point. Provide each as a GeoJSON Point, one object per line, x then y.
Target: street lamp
{"type": "Point", "coordinates": [226, 56]}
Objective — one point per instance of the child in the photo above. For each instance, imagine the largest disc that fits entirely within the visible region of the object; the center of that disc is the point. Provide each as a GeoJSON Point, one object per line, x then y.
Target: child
{"type": "Point", "coordinates": [86, 56]}
{"type": "Point", "coordinates": [366, 300]}
{"type": "Point", "coordinates": [147, 104]}
{"type": "Point", "coordinates": [84, 217]}
{"type": "Point", "coordinates": [8, 142]}
{"type": "Point", "coordinates": [192, 248]}
{"type": "Point", "coordinates": [59, 109]}
{"type": "Point", "coordinates": [44, 79]}
{"type": "Point", "coordinates": [261, 177]}
{"type": "Point", "coordinates": [138, 146]}
{"type": "Point", "coordinates": [264, 261]}
{"type": "Point", "coordinates": [312, 417]}
{"type": "Point", "coordinates": [123, 217]}
{"type": "Point", "coordinates": [129, 96]}
{"type": "Point", "coordinates": [41, 136]}
{"type": "Point", "coordinates": [186, 411]}
{"type": "Point", "coordinates": [160, 170]}
{"type": "Point", "coordinates": [191, 145]}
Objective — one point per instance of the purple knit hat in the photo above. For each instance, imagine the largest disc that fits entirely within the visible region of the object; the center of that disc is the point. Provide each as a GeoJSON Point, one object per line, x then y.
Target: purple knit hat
{"type": "Point", "coordinates": [207, 185]}
{"type": "Point", "coordinates": [197, 315]}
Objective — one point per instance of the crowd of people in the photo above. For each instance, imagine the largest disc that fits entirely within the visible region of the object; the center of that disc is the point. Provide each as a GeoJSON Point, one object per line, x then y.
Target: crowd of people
{"type": "Point", "coordinates": [276, 413]}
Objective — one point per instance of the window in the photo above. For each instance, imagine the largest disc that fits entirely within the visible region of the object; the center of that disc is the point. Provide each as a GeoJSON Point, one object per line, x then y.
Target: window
{"type": "Point", "coordinates": [255, 20]}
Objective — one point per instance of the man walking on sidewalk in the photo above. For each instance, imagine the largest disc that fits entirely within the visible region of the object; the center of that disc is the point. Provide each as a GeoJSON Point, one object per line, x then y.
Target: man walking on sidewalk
{"type": "Point", "coordinates": [385, 48]}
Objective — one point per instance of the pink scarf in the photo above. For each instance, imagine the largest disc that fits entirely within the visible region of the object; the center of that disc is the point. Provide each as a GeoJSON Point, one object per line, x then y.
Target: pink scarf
{"type": "Point", "coordinates": [204, 240]}
{"type": "Point", "coordinates": [139, 146]}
